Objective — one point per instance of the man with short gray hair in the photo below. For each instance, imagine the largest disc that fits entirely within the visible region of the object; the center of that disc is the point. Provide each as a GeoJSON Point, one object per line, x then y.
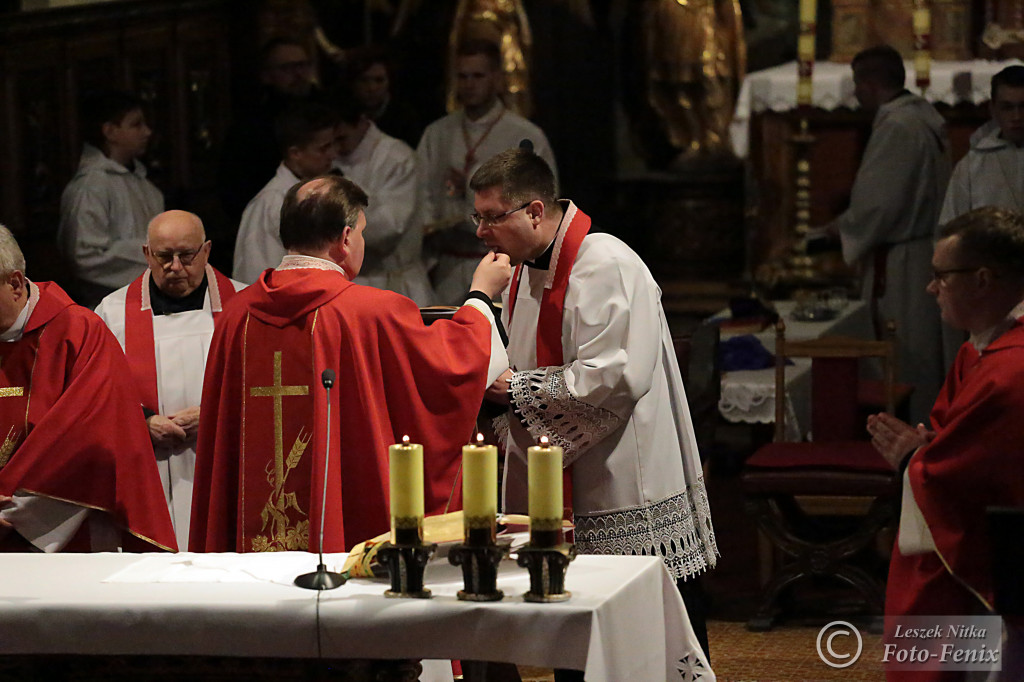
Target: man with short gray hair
{"type": "Point", "coordinates": [76, 466]}
{"type": "Point", "coordinates": [164, 322]}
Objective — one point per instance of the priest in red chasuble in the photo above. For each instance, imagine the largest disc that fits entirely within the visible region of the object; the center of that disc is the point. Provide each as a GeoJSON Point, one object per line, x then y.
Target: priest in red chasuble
{"type": "Point", "coordinates": [969, 457]}
{"type": "Point", "coordinates": [263, 428]}
{"type": "Point", "coordinates": [77, 471]}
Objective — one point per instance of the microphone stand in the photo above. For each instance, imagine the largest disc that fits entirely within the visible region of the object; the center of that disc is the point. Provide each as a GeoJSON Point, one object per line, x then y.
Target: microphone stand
{"type": "Point", "coordinates": [321, 578]}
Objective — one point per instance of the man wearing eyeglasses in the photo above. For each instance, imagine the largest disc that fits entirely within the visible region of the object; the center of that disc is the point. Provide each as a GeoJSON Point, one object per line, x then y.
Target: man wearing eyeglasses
{"type": "Point", "coordinates": [164, 321]}
{"type": "Point", "coordinates": [965, 458]}
{"type": "Point", "coordinates": [594, 370]}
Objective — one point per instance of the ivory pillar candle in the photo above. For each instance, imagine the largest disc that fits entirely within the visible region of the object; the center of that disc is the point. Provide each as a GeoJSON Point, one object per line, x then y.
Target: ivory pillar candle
{"type": "Point", "coordinates": [406, 488]}
{"type": "Point", "coordinates": [544, 473]}
{"type": "Point", "coordinates": [479, 491]}
{"type": "Point", "coordinates": [805, 52]}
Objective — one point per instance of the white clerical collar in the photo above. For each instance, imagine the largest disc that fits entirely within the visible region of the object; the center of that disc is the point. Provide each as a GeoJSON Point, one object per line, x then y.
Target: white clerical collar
{"type": "Point", "coordinates": [294, 261]}
{"type": "Point", "coordinates": [982, 340]}
{"type": "Point", "coordinates": [18, 328]}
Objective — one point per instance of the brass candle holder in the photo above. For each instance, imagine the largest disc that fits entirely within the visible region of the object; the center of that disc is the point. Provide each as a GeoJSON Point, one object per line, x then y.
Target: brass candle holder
{"type": "Point", "coordinates": [406, 559]}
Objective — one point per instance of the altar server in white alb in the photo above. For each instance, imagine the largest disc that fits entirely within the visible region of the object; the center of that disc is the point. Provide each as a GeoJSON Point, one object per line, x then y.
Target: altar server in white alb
{"type": "Point", "coordinates": [891, 224]}
{"type": "Point", "coordinates": [305, 133]}
{"type": "Point", "coordinates": [594, 369]}
{"type": "Point", "coordinates": [385, 167]}
{"type": "Point", "coordinates": [164, 322]}
{"type": "Point", "coordinates": [992, 173]}
{"type": "Point", "coordinates": [452, 149]}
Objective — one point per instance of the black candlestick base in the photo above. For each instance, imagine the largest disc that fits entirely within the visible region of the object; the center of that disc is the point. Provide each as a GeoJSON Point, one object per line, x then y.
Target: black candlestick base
{"type": "Point", "coordinates": [479, 570]}
{"type": "Point", "coordinates": [406, 563]}
{"type": "Point", "coordinates": [320, 579]}
{"type": "Point", "coordinates": [547, 567]}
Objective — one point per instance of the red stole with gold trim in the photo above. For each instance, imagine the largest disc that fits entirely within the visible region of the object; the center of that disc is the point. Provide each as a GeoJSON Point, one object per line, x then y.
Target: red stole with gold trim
{"type": "Point", "coordinates": [552, 304]}
{"type": "Point", "coordinates": [139, 345]}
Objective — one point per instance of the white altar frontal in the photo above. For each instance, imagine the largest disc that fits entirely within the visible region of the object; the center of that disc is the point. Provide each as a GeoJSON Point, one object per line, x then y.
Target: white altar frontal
{"type": "Point", "coordinates": [625, 620]}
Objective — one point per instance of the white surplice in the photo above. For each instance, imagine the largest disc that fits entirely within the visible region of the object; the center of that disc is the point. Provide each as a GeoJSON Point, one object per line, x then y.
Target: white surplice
{"type": "Point", "coordinates": [181, 342]}
{"type": "Point", "coordinates": [258, 244]}
{"type": "Point", "coordinates": [617, 408]}
{"type": "Point", "coordinates": [104, 213]}
{"type": "Point", "coordinates": [385, 168]}
{"type": "Point", "coordinates": [894, 204]}
{"type": "Point", "coordinates": [443, 148]}
{"type": "Point", "coordinates": [992, 174]}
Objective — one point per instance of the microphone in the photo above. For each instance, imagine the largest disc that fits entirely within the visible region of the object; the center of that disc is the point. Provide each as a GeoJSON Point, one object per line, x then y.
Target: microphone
{"type": "Point", "coordinates": [321, 578]}
{"type": "Point", "coordinates": [526, 144]}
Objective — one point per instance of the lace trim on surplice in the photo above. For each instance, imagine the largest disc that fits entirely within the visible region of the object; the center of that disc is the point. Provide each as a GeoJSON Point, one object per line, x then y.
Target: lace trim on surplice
{"type": "Point", "coordinates": [543, 403]}
{"type": "Point", "coordinates": [677, 528]}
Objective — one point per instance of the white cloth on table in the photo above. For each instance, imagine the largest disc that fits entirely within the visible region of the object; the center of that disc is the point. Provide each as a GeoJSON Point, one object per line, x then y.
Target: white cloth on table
{"type": "Point", "coordinates": [104, 213]}
{"type": "Point", "coordinates": [774, 89]}
{"type": "Point", "coordinates": [617, 408]}
{"type": "Point", "coordinates": [443, 148]}
{"type": "Point", "coordinates": [894, 205]}
{"type": "Point", "coordinates": [385, 168]}
{"type": "Point", "coordinates": [258, 245]}
{"type": "Point", "coordinates": [181, 342]}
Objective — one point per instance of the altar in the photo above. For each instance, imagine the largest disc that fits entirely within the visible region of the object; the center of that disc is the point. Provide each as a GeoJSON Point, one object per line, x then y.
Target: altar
{"type": "Point", "coordinates": [625, 620]}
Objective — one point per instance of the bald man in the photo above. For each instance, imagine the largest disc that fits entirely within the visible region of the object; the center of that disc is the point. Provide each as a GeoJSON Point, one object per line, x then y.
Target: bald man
{"type": "Point", "coordinates": [164, 321]}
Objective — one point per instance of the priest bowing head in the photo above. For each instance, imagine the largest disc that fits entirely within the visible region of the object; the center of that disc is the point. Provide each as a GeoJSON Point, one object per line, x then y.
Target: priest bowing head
{"type": "Point", "coordinates": [177, 250]}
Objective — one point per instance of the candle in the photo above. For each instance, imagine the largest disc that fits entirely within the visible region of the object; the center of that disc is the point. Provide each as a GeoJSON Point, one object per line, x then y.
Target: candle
{"type": "Point", "coordinates": [922, 44]}
{"type": "Point", "coordinates": [805, 52]}
{"type": "Point", "coordinates": [406, 486]}
{"type": "Point", "coordinates": [479, 491]}
{"type": "Point", "coordinates": [544, 462]}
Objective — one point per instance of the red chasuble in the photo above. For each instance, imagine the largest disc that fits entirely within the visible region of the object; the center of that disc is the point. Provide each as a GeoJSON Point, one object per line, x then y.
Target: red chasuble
{"type": "Point", "coordinates": [263, 427]}
{"type": "Point", "coordinates": [72, 424]}
{"type": "Point", "coordinates": [974, 461]}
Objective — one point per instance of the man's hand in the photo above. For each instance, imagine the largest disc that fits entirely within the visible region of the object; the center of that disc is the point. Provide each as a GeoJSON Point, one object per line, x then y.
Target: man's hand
{"type": "Point", "coordinates": [498, 391]}
{"type": "Point", "coordinates": [187, 419]}
{"type": "Point", "coordinates": [5, 525]}
{"type": "Point", "coordinates": [895, 439]}
{"type": "Point", "coordinates": [492, 274]}
{"type": "Point", "coordinates": [162, 431]}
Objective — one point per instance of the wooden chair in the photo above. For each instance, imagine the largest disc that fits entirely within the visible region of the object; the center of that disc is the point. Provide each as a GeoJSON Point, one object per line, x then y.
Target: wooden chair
{"type": "Point", "coordinates": [792, 488]}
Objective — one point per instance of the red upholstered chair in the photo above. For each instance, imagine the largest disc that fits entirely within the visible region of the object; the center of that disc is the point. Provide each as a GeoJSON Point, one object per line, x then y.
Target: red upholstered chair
{"type": "Point", "coordinates": [794, 489]}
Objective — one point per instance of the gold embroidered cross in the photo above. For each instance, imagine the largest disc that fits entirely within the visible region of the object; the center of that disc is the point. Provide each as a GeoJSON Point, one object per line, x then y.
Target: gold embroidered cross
{"type": "Point", "coordinates": [277, 392]}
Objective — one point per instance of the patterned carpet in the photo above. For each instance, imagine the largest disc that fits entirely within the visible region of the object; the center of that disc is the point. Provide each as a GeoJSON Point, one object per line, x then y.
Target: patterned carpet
{"type": "Point", "coordinates": [785, 654]}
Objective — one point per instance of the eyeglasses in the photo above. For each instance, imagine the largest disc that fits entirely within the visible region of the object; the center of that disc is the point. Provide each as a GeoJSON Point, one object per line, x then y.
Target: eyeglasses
{"type": "Point", "coordinates": [495, 219]}
{"type": "Point", "coordinates": [940, 275]}
{"type": "Point", "coordinates": [166, 258]}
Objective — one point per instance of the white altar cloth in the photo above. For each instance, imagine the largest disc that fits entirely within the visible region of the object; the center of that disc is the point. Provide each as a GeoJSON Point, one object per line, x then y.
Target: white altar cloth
{"type": "Point", "coordinates": [748, 396]}
{"type": "Point", "coordinates": [775, 89]}
{"type": "Point", "coordinates": [625, 620]}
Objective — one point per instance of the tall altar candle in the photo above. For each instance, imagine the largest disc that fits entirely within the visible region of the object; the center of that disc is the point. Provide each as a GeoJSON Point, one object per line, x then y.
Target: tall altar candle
{"type": "Point", "coordinates": [406, 486]}
{"type": "Point", "coordinates": [544, 472]}
{"type": "Point", "coordinates": [479, 491]}
{"type": "Point", "coordinates": [922, 44]}
{"type": "Point", "coordinates": [805, 52]}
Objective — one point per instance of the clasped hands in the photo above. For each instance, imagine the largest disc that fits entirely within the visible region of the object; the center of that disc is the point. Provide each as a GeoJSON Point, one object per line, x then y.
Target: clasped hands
{"type": "Point", "coordinates": [895, 439]}
{"type": "Point", "coordinates": [174, 428]}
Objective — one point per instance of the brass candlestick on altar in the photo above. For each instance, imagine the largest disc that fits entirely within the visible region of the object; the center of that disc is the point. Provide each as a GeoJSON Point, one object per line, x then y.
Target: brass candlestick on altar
{"type": "Point", "coordinates": [479, 554]}
{"type": "Point", "coordinates": [406, 555]}
{"type": "Point", "coordinates": [547, 556]}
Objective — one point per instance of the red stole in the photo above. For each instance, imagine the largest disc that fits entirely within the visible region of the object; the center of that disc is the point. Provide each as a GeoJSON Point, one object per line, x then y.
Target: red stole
{"type": "Point", "coordinates": [139, 346]}
{"type": "Point", "coordinates": [552, 303]}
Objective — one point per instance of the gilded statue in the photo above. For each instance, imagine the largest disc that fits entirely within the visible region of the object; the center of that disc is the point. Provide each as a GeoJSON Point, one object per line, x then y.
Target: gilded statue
{"type": "Point", "coordinates": [688, 58]}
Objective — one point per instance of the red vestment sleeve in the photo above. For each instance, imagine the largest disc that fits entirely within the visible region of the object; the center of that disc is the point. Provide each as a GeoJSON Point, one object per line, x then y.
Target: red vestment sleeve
{"type": "Point", "coordinates": [87, 440]}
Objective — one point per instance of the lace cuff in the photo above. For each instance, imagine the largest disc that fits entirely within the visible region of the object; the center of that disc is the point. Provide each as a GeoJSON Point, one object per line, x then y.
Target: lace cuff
{"type": "Point", "coordinates": [541, 400]}
{"type": "Point", "coordinates": [678, 529]}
